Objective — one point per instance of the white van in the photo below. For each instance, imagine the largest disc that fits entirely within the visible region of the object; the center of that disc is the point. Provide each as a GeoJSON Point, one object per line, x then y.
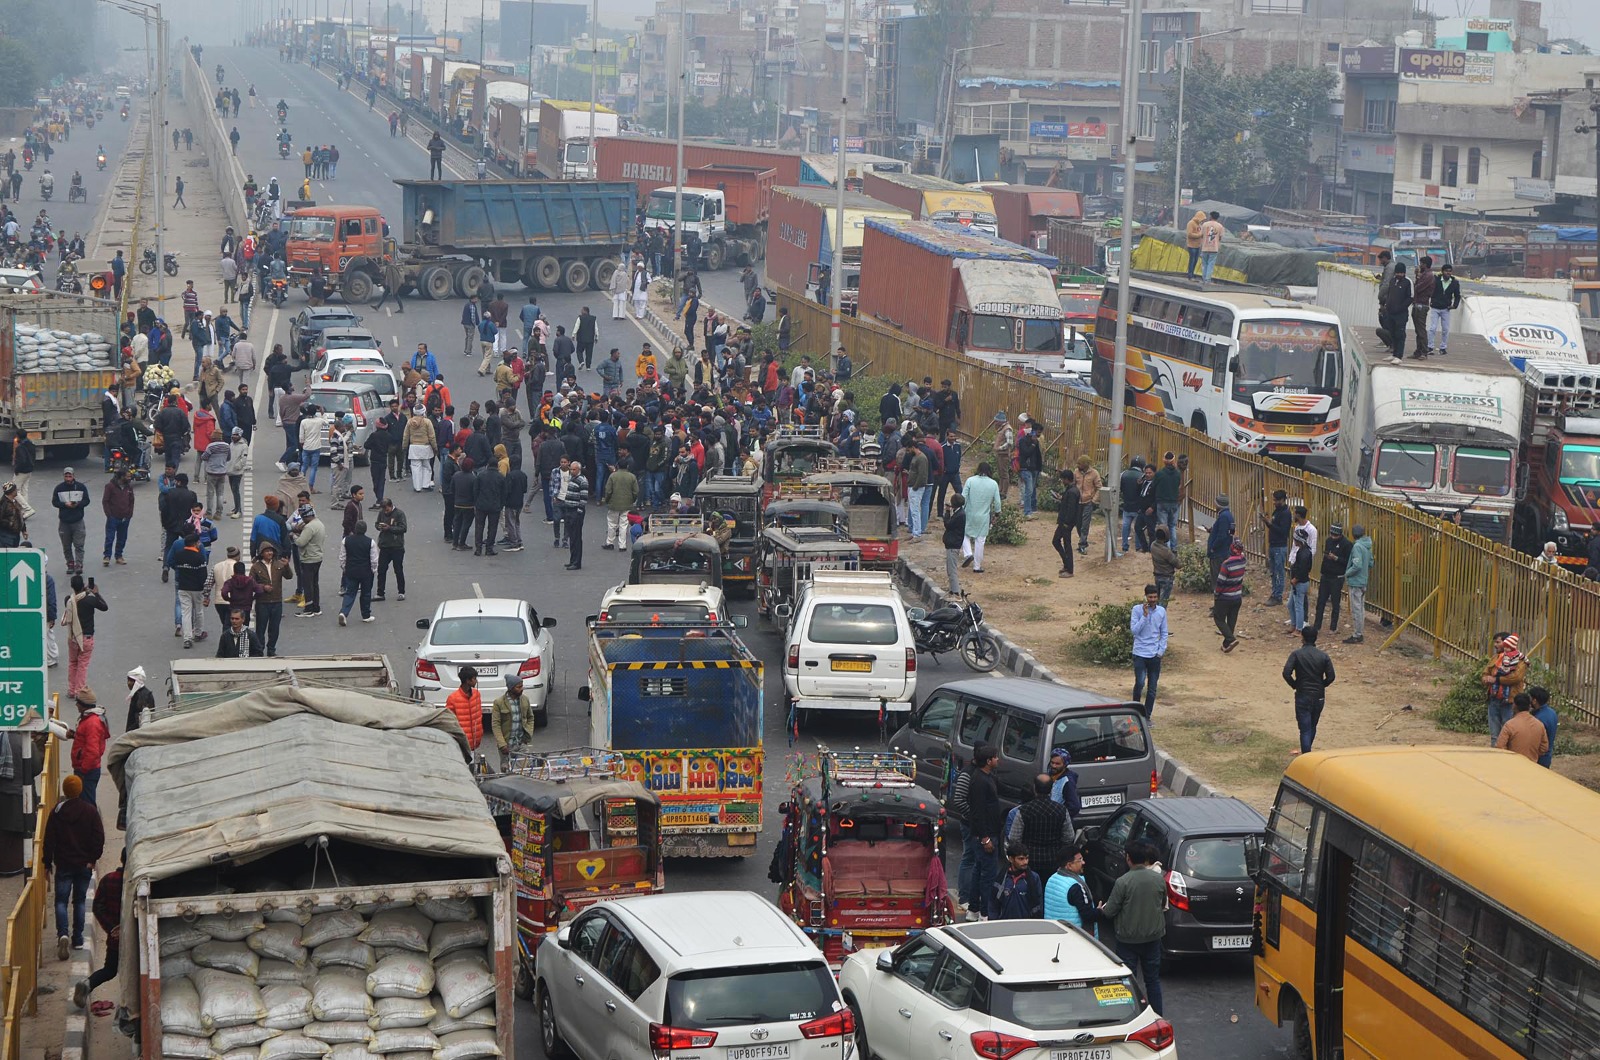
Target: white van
{"type": "Point", "coordinates": [850, 646]}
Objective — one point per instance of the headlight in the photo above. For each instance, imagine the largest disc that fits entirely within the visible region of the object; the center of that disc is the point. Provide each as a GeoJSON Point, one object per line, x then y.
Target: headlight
{"type": "Point", "coordinates": [1560, 521]}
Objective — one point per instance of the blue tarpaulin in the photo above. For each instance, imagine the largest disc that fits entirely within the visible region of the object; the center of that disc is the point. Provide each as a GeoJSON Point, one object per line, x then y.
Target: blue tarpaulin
{"type": "Point", "coordinates": [1571, 233]}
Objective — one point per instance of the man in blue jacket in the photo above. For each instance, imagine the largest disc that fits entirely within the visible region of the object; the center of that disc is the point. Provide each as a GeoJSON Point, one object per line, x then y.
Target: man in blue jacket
{"type": "Point", "coordinates": [1220, 540]}
{"type": "Point", "coordinates": [471, 317]}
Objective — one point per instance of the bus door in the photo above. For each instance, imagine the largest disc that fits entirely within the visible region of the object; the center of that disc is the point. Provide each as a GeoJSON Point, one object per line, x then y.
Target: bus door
{"type": "Point", "coordinates": [1333, 903]}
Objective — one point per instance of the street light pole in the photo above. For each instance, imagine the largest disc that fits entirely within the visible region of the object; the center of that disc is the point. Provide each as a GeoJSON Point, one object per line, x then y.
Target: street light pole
{"type": "Point", "coordinates": [1119, 369]}
{"type": "Point", "coordinates": [527, 113]}
{"type": "Point", "coordinates": [1177, 160]}
{"type": "Point", "coordinates": [836, 331]}
{"type": "Point", "coordinates": [594, 79]}
{"type": "Point", "coordinates": [677, 173]}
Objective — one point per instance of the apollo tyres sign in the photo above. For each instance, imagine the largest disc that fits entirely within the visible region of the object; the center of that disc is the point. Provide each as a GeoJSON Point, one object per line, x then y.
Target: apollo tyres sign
{"type": "Point", "coordinates": [1435, 64]}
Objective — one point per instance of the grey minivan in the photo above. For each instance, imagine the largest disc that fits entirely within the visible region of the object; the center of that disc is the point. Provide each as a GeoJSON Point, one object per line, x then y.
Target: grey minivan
{"type": "Point", "coordinates": [1110, 743]}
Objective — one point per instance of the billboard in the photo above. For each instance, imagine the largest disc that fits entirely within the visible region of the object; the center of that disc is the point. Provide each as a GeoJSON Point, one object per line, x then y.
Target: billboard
{"type": "Point", "coordinates": [1434, 64]}
{"type": "Point", "coordinates": [1065, 130]}
{"type": "Point", "coordinates": [1367, 61]}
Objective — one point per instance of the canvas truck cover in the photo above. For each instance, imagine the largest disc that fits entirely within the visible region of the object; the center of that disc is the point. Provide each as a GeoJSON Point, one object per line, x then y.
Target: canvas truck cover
{"type": "Point", "coordinates": [1239, 261]}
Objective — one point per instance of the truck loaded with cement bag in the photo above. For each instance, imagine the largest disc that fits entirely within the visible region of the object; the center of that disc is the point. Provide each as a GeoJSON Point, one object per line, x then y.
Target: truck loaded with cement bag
{"type": "Point", "coordinates": [312, 873]}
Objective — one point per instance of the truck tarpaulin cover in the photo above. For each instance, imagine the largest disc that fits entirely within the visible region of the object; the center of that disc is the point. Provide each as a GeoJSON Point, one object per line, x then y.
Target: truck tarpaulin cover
{"type": "Point", "coordinates": [1234, 218]}
{"type": "Point", "coordinates": [1239, 261]}
{"type": "Point", "coordinates": [1570, 233]}
{"type": "Point", "coordinates": [954, 241]}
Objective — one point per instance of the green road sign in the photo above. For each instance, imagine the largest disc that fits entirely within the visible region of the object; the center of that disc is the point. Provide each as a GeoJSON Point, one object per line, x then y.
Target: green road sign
{"type": "Point", "coordinates": [24, 687]}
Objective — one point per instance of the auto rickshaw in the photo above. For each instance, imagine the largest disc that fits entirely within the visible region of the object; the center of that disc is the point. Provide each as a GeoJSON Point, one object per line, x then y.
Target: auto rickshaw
{"type": "Point", "coordinates": [675, 549]}
{"type": "Point", "coordinates": [578, 833]}
{"type": "Point", "coordinates": [789, 555]}
{"type": "Point", "coordinates": [816, 510]}
{"type": "Point", "coordinates": [737, 498]}
{"type": "Point", "coordinates": [859, 864]}
{"type": "Point", "coordinates": [868, 496]}
{"type": "Point", "coordinates": [792, 454]}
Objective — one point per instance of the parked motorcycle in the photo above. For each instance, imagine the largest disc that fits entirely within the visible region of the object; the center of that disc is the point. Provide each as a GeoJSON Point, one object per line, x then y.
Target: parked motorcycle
{"type": "Point", "coordinates": [956, 628]}
{"type": "Point", "coordinates": [169, 262]}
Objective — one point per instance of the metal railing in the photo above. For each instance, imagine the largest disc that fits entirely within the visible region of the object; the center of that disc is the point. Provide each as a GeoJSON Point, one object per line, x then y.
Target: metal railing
{"type": "Point", "coordinates": [1444, 584]}
{"type": "Point", "coordinates": [19, 975]}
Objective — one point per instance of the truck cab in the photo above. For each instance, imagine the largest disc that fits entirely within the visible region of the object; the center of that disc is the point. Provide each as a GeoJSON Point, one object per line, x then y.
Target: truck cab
{"type": "Point", "coordinates": [332, 236]}
{"type": "Point", "coordinates": [1565, 488]}
{"type": "Point", "coordinates": [1007, 313]}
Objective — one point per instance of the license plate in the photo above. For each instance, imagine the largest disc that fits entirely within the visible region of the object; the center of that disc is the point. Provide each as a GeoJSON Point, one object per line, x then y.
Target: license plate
{"type": "Point", "coordinates": [1285, 447]}
{"type": "Point", "coordinates": [854, 666]}
{"type": "Point", "coordinates": [760, 1052]}
{"type": "Point", "coordinates": [1230, 942]}
{"type": "Point", "coordinates": [1101, 1053]}
{"type": "Point", "coordinates": [1114, 799]}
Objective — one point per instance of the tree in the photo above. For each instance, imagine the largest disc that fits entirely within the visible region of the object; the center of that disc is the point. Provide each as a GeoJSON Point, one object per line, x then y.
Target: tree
{"type": "Point", "coordinates": [1245, 136]}
{"type": "Point", "coordinates": [17, 87]}
{"type": "Point", "coordinates": [32, 30]}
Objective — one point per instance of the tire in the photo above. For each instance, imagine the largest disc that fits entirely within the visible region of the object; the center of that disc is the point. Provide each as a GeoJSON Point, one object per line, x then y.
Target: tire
{"type": "Point", "coordinates": [436, 283]}
{"type": "Point", "coordinates": [1294, 1014]}
{"type": "Point", "coordinates": [546, 271]}
{"type": "Point", "coordinates": [601, 273]}
{"type": "Point", "coordinates": [863, 1050]}
{"type": "Point", "coordinates": [1198, 422]}
{"type": "Point", "coordinates": [357, 287]}
{"type": "Point", "coordinates": [980, 651]}
{"type": "Point", "coordinates": [555, 1046]}
{"type": "Point", "coordinates": [523, 985]}
{"type": "Point", "coordinates": [541, 719]}
{"type": "Point", "coordinates": [171, 267]}
{"type": "Point", "coordinates": [715, 254]}
{"type": "Point", "coordinates": [468, 280]}
{"type": "Point", "coordinates": [575, 275]}
{"type": "Point", "coordinates": [147, 267]}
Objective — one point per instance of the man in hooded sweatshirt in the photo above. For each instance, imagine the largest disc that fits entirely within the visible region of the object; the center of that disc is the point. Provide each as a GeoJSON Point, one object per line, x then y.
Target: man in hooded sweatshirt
{"type": "Point", "coordinates": [1357, 576]}
{"type": "Point", "coordinates": [1191, 239]}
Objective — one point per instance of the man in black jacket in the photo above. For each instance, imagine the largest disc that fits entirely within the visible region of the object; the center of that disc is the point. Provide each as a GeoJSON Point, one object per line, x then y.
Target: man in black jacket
{"type": "Point", "coordinates": [174, 508]}
{"type": "Point", "coordinates": [1309, 672]}
{"type": "Point", "coordinates": [1392, 316]}
{"type": "Point", "coordinates": [1069, 508]}
{"type": "Point", "coordinates": [489, 500]}
{"type": "Point", "coordinates": [955, 530]}
{"type": "Point", "coordinates": [377, 445]}
{"type": "Point", "coordinates": [466, 486]}
{"type": "Point", "coordinates": [976, 801]}
{"type": "Point", "coordinates": [584, 335]}
{"type": "Point", "coordinates": [516, 494]}
{"type": "Point", "coordinates": [238, 641]}
{"type": "Point", "coordinates": [1335, 558]}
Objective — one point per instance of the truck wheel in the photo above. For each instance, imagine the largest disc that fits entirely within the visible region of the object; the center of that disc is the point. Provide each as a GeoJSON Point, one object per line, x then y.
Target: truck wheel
{"type": "Point", "coordinates": [468, 280]}
{"type": "Point", "coordinates": [575, 275]}
{"type": "Point", "coordinates": [546, 271]}
{"type": "Point", "coordinates": [436, 283]}
{"type": "Point", "coordinates": [601, 274]}
{"type": "Point", "coordinates": [357, 287]}
{"type": "Point", "coordinates": [714, 255]}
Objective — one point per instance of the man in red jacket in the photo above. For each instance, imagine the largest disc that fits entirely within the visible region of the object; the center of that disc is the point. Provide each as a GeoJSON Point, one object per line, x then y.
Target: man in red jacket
{"type": "Point", "coordinates": [107, 910]}
{"type": "Point", "coordinates": [89, 741]}
{"type": "Point", "coordinates": [74, 839]}
{"type": "Point", "coordinates": [466, 703]}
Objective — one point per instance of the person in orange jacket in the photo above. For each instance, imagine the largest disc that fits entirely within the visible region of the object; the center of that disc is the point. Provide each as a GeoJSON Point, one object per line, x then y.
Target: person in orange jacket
{"type": "Point", "coordinates": [467, 705]}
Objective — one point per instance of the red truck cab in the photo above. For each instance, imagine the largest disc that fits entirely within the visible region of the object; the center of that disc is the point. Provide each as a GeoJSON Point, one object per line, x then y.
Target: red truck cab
{"type": "Point", "coordinates": [331, 236]}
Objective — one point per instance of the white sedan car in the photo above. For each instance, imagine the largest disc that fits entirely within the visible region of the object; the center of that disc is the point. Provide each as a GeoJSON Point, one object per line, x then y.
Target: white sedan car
{"type": "Point", "coordinates": [1001, 990]}
{"type": "Point", "coordinates": [500, 637]}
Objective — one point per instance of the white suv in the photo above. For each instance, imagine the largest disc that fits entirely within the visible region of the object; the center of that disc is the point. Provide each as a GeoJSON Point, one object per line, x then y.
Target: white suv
{"type": "Point", "coordinates": [711, 975]}
{"type": "Point", "coordinates": [658, 604]}
{"type": "Point", "coordinates": [850, 647]}
{"type": "Point", "coordinates": [1001, 990]}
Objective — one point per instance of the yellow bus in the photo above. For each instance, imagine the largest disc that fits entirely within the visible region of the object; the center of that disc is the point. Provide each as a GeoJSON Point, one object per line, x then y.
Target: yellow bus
{"type": "Point", "coordinates": [1427, 902]}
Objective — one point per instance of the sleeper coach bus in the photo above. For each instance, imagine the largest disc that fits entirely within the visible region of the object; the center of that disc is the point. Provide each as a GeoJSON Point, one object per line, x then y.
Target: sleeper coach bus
{"type": "Point", "coordinates": [1259, 372]}
{"type": "Point", "coordinates": [1420, 902]}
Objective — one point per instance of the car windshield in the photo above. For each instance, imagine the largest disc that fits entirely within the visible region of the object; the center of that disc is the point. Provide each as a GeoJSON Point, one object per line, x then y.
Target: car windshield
{"type": "Point", "coordinates": [1486, 472]}
{"type": "Point", "coordinates": [674, 561]}
{"type": "Point", "coordinates": [487, 630]}
{"type": "Point", "coordinates": [334, 400]}
{"type": "Point", "coordinates": [1213, 858]}
{"type": "Point", "coordinates": [991, 333]}
{"type": "Point", "coordinates": [663, 207]}
{"type": "Point", "coordinates": [1042, 336]}
{"type": "Point", "coordinates": [1406, 466]}
{"type": "Point", "coordinates": [1066, 1005]}
{"type": "Point", "coordinates": [1080, 306]}
{"type": "Point", "coordinates": [382, 382]}
{"type": "Point", "coordinates": [657, 614]}
{"type": "Point", "coordinates": [1288, 353]}
{"type": "Point", "coordinates": [1580, 463]}
{"type": "Point", "coordinates": [769, 993]}
{"type": "Point", "coordinates": [845, 623]}
{"type": "Point", "coordinates": [316, 229]}
{"type": "Point", "coordinates": [1101, 737]}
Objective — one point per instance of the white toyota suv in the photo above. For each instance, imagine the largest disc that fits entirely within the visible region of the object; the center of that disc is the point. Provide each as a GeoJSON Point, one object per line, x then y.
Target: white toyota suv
{"type": "Point", "coordinates": [850, 647]}
{"type": "Point", "coordinates": [500, 638]}
{"type": "Point", "coordinates": [1001, 990]}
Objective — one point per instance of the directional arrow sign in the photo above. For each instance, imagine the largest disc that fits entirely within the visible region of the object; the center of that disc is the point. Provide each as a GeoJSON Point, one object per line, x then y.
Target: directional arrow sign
{"type": "Point", "coordinates": [23, 683]}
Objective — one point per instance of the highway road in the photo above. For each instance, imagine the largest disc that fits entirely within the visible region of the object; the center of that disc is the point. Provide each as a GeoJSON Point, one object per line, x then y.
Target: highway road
{"type": "Point", "coordinates": [1209, 1002]}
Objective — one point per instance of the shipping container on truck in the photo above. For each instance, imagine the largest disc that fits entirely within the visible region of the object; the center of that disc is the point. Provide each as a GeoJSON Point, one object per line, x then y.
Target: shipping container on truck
{"type": "Point", "coordinates": [968, 292]}
{"type": "Point", "coordinates": [544, 234]}
{"type": "Point", "coordinates": [307, 814]}
{"type": "Point", "coordinates": [649, 162]}
{"type": "Point", "coordinates": [725, 212]}
{"type": "Point", "coordinates": [1550, 250]}
{"type": "Point", "coordinates": [1025, 212]}
{"type": "Point", "coordinates": [1086, 247]}
{"type": "Point", "coordinates": [684, 708]}
{"type": "Point", "coordinates": [1561, 454]}
{"type": "Point", "coordinates": [58, 356]}
{"type": "Point", "coordinates": [929, 198]}
{"type": "Point", "coordinates": [565, 128]}
{"type": "Point", "coordinates": [800, 238]}
{"type": "Point", "coordinates": [506, 136]}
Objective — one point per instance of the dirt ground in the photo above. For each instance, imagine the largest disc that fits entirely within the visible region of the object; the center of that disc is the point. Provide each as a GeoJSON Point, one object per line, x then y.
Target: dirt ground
{"type": "Point", "coordinates": [1228, 717]}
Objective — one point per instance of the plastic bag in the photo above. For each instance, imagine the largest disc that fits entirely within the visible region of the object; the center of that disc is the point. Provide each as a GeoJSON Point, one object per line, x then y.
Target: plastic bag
{"type": "Point", "coordinates": [350, 1051]}
{"type": "Point", "coordinates": [227, 957]}
{"type": "Point", "coordinates": [229, 1039]}
{"type": "Point", "coordinates": [401, 1040]}
{"type": "Point", "coordinates": [450, 937]}
{"type": "Point", "coordinates": [273, 972]}
{"type": "Point", "coordinates": [404, 975]}
{"type": "Point", "coordinates": [280, 942]}
{"type": "Point", "coordinates": [186, 1047]}
{"type": "Point", "coordinates": [346, 953]}
{"type": "Point", "coordinates": [468, 1045]}
{"type": "Point", "coordinates": [180, 1008]}
{"type": "Point", "coordinates": [227, 1000]}
{"type": "Point", "coordinates": [340, 995]}
{"type": "Point", "coordinates": [244, 1052]}
{"type": "Point", "coordinates": [288, 1007]}
{"type": "Point", "coordinates": [326, 927]}
{"type": "Point", "coordinates": [390, 1013]}
{"type": "Point", "coordinates": [339, 1033]}
{"type": "Point", "coordinates": [465, 983]}
{"type": "Point", "coordinates": [444, 1023]}
{"type": "Point", "coordinates": [405, 928]}
{"type": "Point", "coordinates": [293, 1047]}
{"type": "Point", "coordinates": [177, 936]}
{"type": "Point", "coordinates": [448, 910]}
{"type": "Point", "coordinates": [177, 966]}
{"type": "Point", "coordinates": [289, 915]}
{"type": "Point", "coordinates": [234, 928]}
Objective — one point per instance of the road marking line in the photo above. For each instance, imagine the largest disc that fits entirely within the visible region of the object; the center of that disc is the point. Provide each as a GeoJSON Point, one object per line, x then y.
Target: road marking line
{"type": "Point", "coordinates": [247, 487]}
{"type": "Point", "coordinates": [477, 590]}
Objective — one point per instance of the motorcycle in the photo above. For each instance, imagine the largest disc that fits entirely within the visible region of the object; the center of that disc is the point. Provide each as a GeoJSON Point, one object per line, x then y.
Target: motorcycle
{"type": "Point", "coordinates": [46, 190]}
{"type": "Point", "coordinates": [100, 160]}
{"type": "Point", "coordinates": [77, 193]}
{"type": "Point", "coordinates": [169, 262]}
{"type": "Point", "coordinates": [121, 461]}
{"type": "Point", "coordinates": [283, 117]}
{"type": "Point", "coordinates": [67, 279]}
{"type": "Point", "coordinates": [956, 628]}
{"type": "Point", "coordinates": [27, 160]}
{"type": "Point", "coordinates": [283, 148]}
{"type": "Point", "coordinates": [124, 112]}
{"type": "Point", "coordinates": [277, 291]}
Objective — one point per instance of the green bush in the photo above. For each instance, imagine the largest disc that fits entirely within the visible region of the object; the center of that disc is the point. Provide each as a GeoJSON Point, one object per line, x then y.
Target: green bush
{"type": "Point", "coordinates": [1105, 637]}
{"type": "Point", "coordinates": [1465, 706]}
{"type": "Point", "coordinates": [1194, 570]}
{"type": "Point", "coordinates": [1005, 526]}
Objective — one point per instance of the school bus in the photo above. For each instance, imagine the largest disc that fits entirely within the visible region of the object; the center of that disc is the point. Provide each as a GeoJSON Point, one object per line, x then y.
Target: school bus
{"type": "Point", "coordinates": [1430, 902]}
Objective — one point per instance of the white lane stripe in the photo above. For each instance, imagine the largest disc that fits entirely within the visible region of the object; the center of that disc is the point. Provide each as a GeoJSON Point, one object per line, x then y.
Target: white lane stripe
{"type": "Point", "coordinates": [247, 487]}
{"type": "Point", "coordinates": [477, 590]}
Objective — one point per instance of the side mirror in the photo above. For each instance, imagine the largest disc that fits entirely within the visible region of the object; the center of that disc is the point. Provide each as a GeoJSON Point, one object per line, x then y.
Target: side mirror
{"type": "Point", "coordinates": [423, 623]}
{"type": "Point", "coordinates": [1092, 833]}
{"type": "Point", "coordinates": [1233, 366]}
{"type": "Point", "coordinates": [886, 961]}
{"type": "Point", "coordinates": [1252, 854]}
{"type": "Point", "coordinates": [583, 693]}
{"type": "Point", "coordinates": [740, 621]}
{"type": "Point", "coordinates": [916, 614]}
{"type": "Point", "coordinates": [548, 623]}
{"type": "Point", "coordinates": [564, 937]}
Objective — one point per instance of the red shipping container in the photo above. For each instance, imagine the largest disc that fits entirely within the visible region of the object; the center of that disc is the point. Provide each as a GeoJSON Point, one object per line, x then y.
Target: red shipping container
{"type": "Point", "coordinates": [1025, 212]}
{"type": "Point", "coordinates": [649, 162]}
{"type": "Point", "coordinates": [798, 234]}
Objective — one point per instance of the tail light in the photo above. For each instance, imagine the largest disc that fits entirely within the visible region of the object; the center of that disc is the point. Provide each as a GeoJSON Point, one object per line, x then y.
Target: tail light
{"type": "Point", "coordinates": [1155, 1037]}
{"type": "Point", "coordinates": [665, 1040]}
{"type": "Point", "coordinates": [1155, 783]}
{"type": "Point", "coordinates": [529, 668]}
{"type": "Point", "coordinates": [711, 616]}
{"type": "Point", "coordinates": [997, 1045]}
{"type": "Point", "coordinates": [426, 671]}
{"type": "Point", "coordinates": [911, 660]}
{"type": "Point", "coordinates": [793, 662]}
{"type": "Point", "coordinates": [840, 1024]}
{"type": "Point", "coordinates": [1178, 891]}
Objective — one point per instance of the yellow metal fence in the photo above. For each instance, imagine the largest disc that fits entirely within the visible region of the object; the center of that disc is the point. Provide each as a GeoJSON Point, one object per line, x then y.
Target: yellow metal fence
{"type": "Point", "coordinates": [19, 975]}
{"type": "Point", "coordinates": [1449, 586]}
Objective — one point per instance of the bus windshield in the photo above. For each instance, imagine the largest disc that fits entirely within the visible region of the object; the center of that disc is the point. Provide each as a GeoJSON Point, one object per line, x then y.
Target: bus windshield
{"type": "Point", "coordinates": [1580, 463]}
{"type": "Point", "coordinates": [1288, 353]}
{"type": "Point", "coordinates": [662, 206]}
{"type": "Point", "coordinates": [316, 229]}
